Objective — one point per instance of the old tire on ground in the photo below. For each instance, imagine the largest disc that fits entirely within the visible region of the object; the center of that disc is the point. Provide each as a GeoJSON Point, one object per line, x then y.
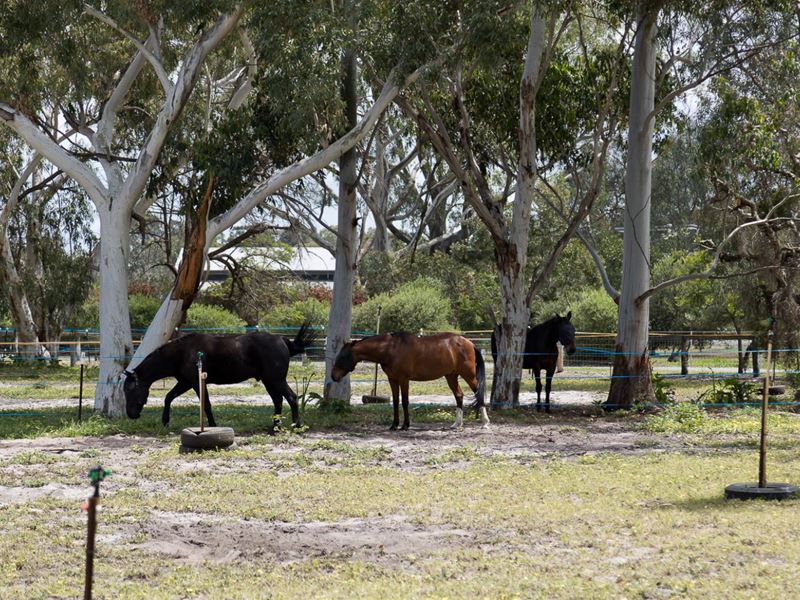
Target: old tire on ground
{"type": "Point", "coordinates": [211, 438]}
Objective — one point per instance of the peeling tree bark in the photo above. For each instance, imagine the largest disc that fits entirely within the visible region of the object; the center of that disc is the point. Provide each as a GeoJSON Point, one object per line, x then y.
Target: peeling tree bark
{"type": "Point", "coordinates": [511, 254]}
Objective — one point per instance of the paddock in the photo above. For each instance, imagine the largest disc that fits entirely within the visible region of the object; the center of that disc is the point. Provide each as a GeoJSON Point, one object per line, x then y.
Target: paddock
{"type": "Point", "coordinates": [577, 503]}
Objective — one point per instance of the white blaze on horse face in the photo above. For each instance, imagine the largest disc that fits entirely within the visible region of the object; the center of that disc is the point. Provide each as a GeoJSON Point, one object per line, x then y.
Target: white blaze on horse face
{"type": "Point", "coordinates": [459, 419]}
{"type": "Point", "coordinates": [484, 417]}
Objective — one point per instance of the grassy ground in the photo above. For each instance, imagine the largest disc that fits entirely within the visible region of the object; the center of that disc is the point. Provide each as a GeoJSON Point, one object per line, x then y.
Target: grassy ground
{"type": "Point", "coordinates": [53, 383]}
{"type": "Point", "coordinates": [349, 510]}
{"type": "Point", "coordinates": [576, 504]}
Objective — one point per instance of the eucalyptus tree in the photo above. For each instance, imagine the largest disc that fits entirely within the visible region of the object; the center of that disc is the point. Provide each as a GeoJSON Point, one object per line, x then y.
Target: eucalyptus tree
{"type": "Point", "coordinates": [15, 176]}
{"type": "Point", "coordinates": [750, 144]}
{"type": "Point", "coordinates": [502, 123]}
{"type": "Point", "coordinates": [125, 148]}
{"type": "Point", "coordinates": [45, 247]}
{"type": "Point", "coordinates": [698, 44]}
{"type": "Point", "coordinates": [292, 124]}
{"type": "Point", "coordinates": [115, 155]}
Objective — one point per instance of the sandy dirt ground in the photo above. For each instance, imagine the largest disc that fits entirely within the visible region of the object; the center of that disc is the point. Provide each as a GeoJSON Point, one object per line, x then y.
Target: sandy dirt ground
{"type": "Point", "coordinates": [192, 538]}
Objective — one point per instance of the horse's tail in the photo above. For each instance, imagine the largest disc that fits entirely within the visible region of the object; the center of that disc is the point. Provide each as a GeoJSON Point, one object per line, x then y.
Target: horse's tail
{"type": "Point", "coordinates": [480, 371]}
{"type": "Point", "coordinates": [302, 341]}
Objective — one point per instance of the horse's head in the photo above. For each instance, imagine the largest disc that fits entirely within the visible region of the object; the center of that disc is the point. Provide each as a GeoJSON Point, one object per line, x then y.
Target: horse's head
{"type": "Point", "coordinates": [135, 394]}
{"type": "Point", "coordinates": [566, 333]}
{"type": "Point", "coordinates": [344, 363]}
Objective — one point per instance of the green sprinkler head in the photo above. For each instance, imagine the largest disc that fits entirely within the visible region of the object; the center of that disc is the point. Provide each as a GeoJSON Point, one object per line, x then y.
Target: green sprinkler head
{"type": "Point", "coordinates": [97, 475]}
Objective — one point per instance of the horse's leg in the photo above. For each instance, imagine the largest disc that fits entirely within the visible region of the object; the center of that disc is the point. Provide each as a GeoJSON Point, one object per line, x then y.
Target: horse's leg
{"type": "Point", "coordinates": [291, 398]}
{"type": "Point", "coordinates": [396, 402]}
{"type": "Point", "coordinates": [471, 377]}
{"type": "Point", "coordinates": [276, 395]}
{"type": "Point", "coordinates": [452, 381]}
{"type": "Point", "coordinates": [404, 391]}
{"type": "Point", "coordinates": [547, 385]}
{"type": "Point", "coordinates": [538, 375]}
{"type": "Point", "coordinates": [179, 389]}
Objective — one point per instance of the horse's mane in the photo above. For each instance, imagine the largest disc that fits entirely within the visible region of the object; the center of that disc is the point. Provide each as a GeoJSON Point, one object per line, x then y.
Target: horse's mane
{"type": "Point", "coordinates": [545, 324]}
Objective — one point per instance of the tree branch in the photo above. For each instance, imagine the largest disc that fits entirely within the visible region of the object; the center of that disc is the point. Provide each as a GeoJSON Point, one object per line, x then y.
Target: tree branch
{"type": "Point", "coordinates": [166, 84]}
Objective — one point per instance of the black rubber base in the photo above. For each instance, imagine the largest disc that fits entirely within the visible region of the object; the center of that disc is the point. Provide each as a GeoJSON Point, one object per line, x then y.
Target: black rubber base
{"type": "Point", "coordinates": [751, 491]}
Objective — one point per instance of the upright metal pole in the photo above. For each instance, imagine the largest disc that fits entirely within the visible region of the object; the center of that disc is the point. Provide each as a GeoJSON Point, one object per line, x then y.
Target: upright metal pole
{"type": "Point", "coordinates": [201, 388]}
{"type": "Point", "coordinates": [762, 457]}
{"type": "Point", "coordinates": [91, 530]}
{"type": "Point", "coordinates": [375, 378]}
{"type": "Point", "coordinates": [96, 475]}
{"type": "Point", "coordinates": [80, 397]}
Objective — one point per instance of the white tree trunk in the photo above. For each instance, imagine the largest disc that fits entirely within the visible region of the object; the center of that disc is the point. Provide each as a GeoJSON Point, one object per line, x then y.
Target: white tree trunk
{"type": "Point", "coordinates": [341, 315]}
{"type": "Point", "coordinates": [511, 256]}
{"type": "Point", "coordinates": [631, 375]}
{"type": "Point", "coordinates": [116, 342]}
{"type": "Point", "coordinates": [21, 314]}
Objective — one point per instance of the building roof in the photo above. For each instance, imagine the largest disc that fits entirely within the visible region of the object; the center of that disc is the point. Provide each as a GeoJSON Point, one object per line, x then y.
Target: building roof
{"type": "Point", "coordinates": [312, 263]}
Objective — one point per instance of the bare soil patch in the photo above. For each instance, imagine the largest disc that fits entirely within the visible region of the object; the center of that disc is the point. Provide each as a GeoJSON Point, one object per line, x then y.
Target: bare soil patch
{"type": "Point", "coordinates": [194, 538]}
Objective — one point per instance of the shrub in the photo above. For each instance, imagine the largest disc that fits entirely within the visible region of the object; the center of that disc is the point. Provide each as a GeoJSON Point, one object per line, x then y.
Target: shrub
{"type": "Point", "coordinates": [411, 307]}
{"type": "Point", "coordinates": [682, 417]}
{"type": "Point", "coordinates": [87, 316]}
{"type": "Point", "coordinates": [142, 310]}
{"type": "Point", "coordinates": [211, 318]}
{"type": "Point", "coordinates": [294, 314]}
{"type": "Point", "coordinates": [594, 311]}
{"type": "Point", "coordinates": [663, 390]}
{"type": "Point", "coordinates": [730, 391]}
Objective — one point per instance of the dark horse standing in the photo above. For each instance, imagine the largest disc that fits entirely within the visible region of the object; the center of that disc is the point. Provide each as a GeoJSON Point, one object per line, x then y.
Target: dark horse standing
{"type": "Point", "coordinates": [226, 359]}
{"type": "Point", "coordinates": [541, 351]}
{"type": "Point", "coordinates": [405, 357]}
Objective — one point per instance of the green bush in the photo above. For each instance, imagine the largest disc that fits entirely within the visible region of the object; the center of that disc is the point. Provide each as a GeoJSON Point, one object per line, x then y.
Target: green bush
{"type": "Point", "coordinates": [211, 318]}
{"type": "Point", "coordinates": [142, 310]}
{"type": "Point", "coordinates": [663, 390]}
{"type": "Point", "coordinates": [594, 311]}
{"type": "Point", "coordinates": [296, 313]}
{"type": "Point", "coordinates": [87, 316]}
{"type": "Point", "coordinates": [730, 391]}
{"type": "Point", "coordinates": [681, 417]}
{"type": "Point", "coordinates": [411, 307]}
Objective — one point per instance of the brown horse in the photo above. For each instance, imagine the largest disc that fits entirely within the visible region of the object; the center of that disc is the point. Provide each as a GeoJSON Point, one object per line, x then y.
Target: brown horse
{"type": "Point", "coordinates": [405, 357]}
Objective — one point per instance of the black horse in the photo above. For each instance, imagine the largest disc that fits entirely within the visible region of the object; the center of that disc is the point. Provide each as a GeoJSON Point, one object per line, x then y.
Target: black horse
{"type": "Point", "coordinates": [226, 359]}
{"type": "Point", "coordinates": [541, 351]}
